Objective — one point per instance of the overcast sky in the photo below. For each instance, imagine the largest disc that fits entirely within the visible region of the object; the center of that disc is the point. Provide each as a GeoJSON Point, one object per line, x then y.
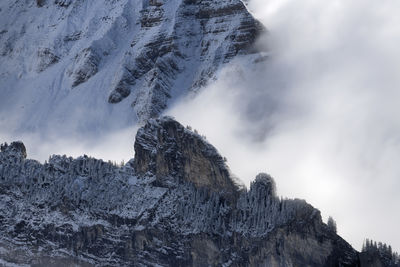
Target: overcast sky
{"type": "Point", "coordinates": [323, 117]}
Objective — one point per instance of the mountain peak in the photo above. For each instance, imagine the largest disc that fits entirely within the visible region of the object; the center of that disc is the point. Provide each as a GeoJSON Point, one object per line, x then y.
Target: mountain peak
{"type": "Point", "coordinates": [174, 153]}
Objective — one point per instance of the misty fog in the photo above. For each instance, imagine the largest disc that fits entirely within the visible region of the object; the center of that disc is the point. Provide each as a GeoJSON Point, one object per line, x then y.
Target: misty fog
{"type": "Point", "coordinates": [322, 116]}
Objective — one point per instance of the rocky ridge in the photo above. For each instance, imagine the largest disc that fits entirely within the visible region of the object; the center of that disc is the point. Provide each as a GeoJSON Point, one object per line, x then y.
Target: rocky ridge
{"type": "Point", "coordinates": [174, 204]}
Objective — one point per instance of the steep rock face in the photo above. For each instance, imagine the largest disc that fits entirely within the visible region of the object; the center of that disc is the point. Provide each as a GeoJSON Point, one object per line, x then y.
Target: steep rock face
{"type": "Point", "coordinates": [85, 66]}
{"type": "Point", "coordinates": [155, 210]}
{"type": "Point", "coordinates": [165, 148]}
{"type": "Point", "coordinates": [113, 59]}
{"type": "Point", "coordinates": [193, 44]}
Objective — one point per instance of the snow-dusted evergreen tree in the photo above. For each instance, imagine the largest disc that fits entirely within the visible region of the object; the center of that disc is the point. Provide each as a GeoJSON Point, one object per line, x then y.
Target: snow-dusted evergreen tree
{"type": "Point", "coordinates": [385, 252]}
{"type": "Point", "coordinates": [332, 224]}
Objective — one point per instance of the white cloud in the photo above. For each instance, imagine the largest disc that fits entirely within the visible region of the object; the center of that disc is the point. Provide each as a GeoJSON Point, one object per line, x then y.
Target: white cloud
{"type": "Point", "coordinates": [323, 117]}
{"type": "Point", "coordinates": [112, 145]}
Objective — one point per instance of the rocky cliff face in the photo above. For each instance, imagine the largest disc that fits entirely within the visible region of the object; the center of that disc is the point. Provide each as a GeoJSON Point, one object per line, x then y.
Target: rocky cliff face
{"type": "Point", "coordinates": [174, 204]}
{"type": "Point", "coordinates": [125, 59]}
{"type": "Point", "coordinates": [168, 150]}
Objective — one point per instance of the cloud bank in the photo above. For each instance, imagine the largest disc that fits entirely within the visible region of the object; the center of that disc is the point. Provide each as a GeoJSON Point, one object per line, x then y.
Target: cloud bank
{"type": "Point", "coordinates": [322, 116]}
{"type": "Point", "coordinates": [116, 146]}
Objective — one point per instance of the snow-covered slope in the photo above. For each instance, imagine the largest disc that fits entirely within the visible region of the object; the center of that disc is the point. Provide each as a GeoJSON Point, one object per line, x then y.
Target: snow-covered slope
{"type": "Point", "coordinates": [86, 65]}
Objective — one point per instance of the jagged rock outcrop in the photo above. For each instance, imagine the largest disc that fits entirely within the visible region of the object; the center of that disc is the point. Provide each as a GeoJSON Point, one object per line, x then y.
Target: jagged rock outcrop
{"type": "Point", "coordinates": [46, 58]}
{"type": "Point", "coordinates": [125, 59]}
{"type": "Point", "coordinates": [86, 65]}
{"type": "Point", "coordinates": [165, 148]}
{"type": "Point", "coordinates": [158, 209]}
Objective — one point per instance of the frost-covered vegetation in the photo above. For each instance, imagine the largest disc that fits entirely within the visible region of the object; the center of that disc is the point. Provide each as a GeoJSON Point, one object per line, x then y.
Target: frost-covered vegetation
{"type": "Point", "coordinates": [85, 204]}
{"type": "Point", "coordinates": [385, 252]}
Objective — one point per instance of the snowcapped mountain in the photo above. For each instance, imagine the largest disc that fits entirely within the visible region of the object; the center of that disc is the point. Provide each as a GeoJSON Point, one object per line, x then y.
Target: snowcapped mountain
{"type": "Point", "coordinates": [96, 64]}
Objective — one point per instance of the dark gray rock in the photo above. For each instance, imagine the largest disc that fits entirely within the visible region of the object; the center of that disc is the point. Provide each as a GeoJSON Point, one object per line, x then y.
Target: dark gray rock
{"type": "Point", "coordinates": [86, 65]}
{"type": "Point", "coordinates": [168, 150]}
{"type": "Point", "coordinates": [63, 3]}
{"type": "Point", "coordinates": [73, 36]}
{"type": "Point", "coordinates": [40, 3]}
{"type": "Point", "coordinates": [121, 90]}
{"type": "Point", "coordinates": [46, 57]}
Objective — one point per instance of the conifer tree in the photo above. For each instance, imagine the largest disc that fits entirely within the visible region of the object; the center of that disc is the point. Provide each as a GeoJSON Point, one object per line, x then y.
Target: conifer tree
{"type": "Point", "coordinates": [332, 224]}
